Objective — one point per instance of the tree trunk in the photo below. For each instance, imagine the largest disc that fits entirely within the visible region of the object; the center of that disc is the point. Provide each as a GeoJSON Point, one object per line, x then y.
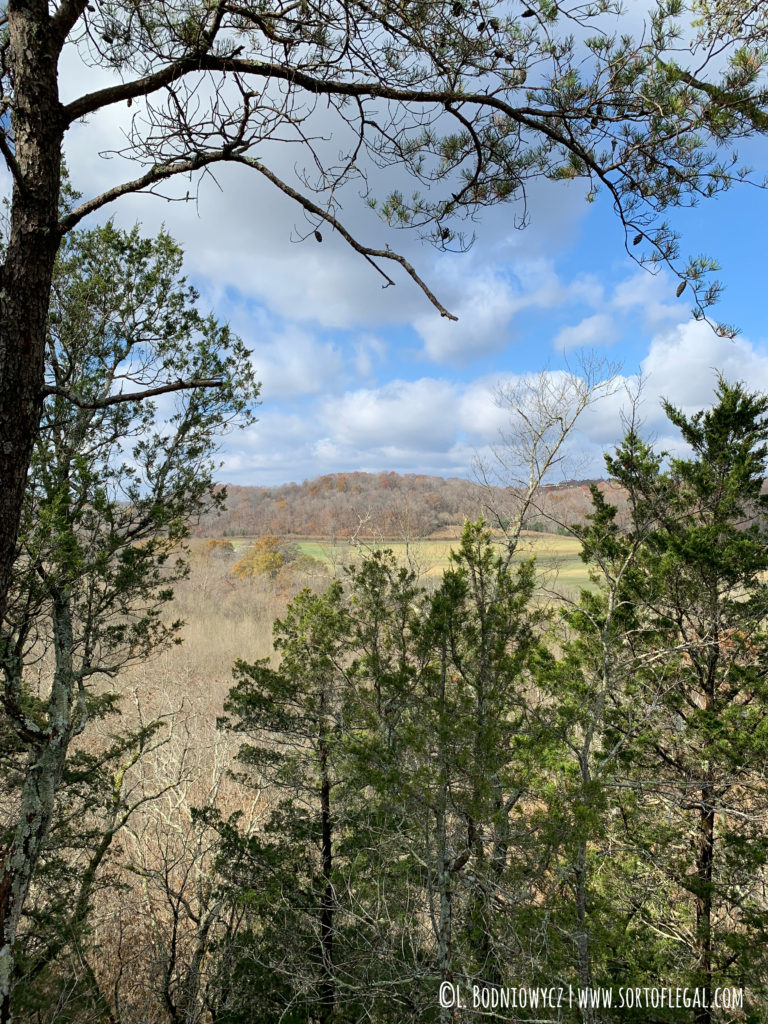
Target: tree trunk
{"type": "Point", "coordinates": [705, 856]}
{"type": "Point", "coordinates": [25, 277]}
{"type": "Point", "coordinates": [445, 920]}
{"type": "Point", "coordinates": [582, 935]}
{"type": "Point", "coordinates": [327, 988]}
{"type": "Point", "coordinates": [25, 282]}
{"type": "Point", "coordinates": [44, 770]}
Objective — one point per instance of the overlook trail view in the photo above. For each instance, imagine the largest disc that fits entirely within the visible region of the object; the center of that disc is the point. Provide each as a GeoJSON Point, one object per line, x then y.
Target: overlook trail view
{"type": "Point", "coordinates": [471, 725]}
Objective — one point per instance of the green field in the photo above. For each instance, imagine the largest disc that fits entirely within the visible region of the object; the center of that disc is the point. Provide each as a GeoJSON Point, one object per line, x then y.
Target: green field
{"type": "Point", "coordinates": [557, 558]}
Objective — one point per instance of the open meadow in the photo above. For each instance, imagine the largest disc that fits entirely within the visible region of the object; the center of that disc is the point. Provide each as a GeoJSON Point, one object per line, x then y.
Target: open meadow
{"type": "Point", "coordinates": [558, 562]}
{"type": "Point", "coordinates": [226, 617]}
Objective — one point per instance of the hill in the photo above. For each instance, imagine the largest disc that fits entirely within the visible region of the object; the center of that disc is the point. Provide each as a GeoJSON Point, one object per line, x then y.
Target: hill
{"type": "Point", "coordinates": [369, 505]}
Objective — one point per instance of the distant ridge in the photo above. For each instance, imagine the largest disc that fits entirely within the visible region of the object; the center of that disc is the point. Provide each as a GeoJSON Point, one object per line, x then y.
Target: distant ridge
{"type": "Point", "coordinates": [391, 504]}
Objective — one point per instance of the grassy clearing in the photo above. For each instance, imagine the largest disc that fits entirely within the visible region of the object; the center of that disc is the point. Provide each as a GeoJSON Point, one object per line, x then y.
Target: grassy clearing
{"type": "Point", "coordinates": [557, 558]}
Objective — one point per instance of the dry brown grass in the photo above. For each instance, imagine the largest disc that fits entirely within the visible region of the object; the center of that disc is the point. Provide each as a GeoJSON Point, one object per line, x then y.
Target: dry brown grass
{"type": "Point", "coordinates": [148, 933]}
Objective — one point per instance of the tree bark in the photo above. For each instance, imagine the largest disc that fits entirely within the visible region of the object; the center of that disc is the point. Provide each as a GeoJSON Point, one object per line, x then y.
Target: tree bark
{"type": "Point", "coordinates": [25, 276]}
{"type": "Point", "coordinates": [705, 856]}
{"type": "Point", "coordinates": [705, 853]}
{"type": "Point", "coordinates": [25, 283]}
{"type": "Point", "coordinates": [327, 906]}
{"type": "Point", "coordinates": [46, 764]}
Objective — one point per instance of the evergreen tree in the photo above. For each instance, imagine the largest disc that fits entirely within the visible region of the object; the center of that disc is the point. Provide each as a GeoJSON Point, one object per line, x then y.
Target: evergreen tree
{"type": "Point", "coordinates": [289, 870]}
{"type": "Point", "coordinates": [684, 722]}
{"type": "Point", "coordinates": [113, 483]}
{"type": "Point", "coordinates": [400, 729]}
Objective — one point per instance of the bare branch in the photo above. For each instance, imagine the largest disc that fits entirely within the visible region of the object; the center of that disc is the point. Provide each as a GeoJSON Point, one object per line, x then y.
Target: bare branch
{"type": "Point", "coordinates": [543, 410]}
{"type": "Point", "coordinates": [156, 174]}
{"type": "Point", "coordinates": [163, 172]}
{"type": "Point", "coordinates": [132, 396]}
{"type": "Point", "coordinates": [528, 116]}
{"type": "Point", "coordinates": [364, 250]}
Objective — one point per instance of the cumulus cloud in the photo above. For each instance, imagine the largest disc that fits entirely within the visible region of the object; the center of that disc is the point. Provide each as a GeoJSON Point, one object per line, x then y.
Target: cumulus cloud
{"type": "Point", "coordinates": [433, 425]}
{"type": "Point", "coordinates": [484, 309]}
{"type": "Point", "coordinates": [640, 300]}
{"type": "Point", "coordinates": [430, 425]}
{"type": "Point", "coordinates": [486, 298]}
{"type": "Point", "coordinates": [681, 364]}
{"type": "Point", "coordinates": [292, 362]}
{"type": "Point", "coordinates": [650, 295]}
{"type": "Point", "coordinates": [276, 449]}
{"type": "Point", "coordinates": [407, 415]}
{"type": "Point", "coordinates": [480, 417]}
{"type": "Point", "coordinates": [596, 330]}
{"type": "Point", "coordinates": [369, 351]}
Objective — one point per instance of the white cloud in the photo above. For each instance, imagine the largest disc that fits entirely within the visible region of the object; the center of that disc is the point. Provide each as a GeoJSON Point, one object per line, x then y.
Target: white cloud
{"type": "Point", "coordinates": [239, 231]}
{"type": "Point", "coordinates": [486, 299]}
{"type": "Point", "coordinates": [328, 452]}
{"type": "Point", "coordinates": [369, 352]}
{"type": "Point", "coordinates": [681, 364]}
{"type": "Point", "coordinates": [405, 415]}
{"type": "Point", "coordinates": [480, 418]}
{"type": "Point", "coordinates": [276, 449]}
{"type": "Point", "coordinates": [291, 363]}
{"type": "Point", "coordinates": [586, 288]}
{"type": "Point", "coordinates": [592, 331]}
{"type": "Point", "coordinates": [429, 425]}
{"type": "Point", "coordinates": [646, 292]}
{"type": "Point", "coordinates": [238, 237]}
{"type": "Point", "coordinates": [484, 310]}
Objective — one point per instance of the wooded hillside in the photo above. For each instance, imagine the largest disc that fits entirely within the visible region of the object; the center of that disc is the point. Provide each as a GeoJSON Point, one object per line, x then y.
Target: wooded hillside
{"type": "Point", "coordinates": [385, 505]}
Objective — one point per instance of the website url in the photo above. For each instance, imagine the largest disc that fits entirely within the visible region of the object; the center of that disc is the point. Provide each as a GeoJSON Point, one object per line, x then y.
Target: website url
{"type": "Point", "coordinates": [496, 997]}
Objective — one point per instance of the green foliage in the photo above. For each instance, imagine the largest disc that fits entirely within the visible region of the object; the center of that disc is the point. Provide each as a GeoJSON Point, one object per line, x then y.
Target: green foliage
{"type": "Point", "coordinates": [396, 740]}
{"type": "Point", "coordinates": [114, 480]}
{"type": "Point", "coordinates": [465, 788]}
{"type": "Point", "coordinates": [113, 485]}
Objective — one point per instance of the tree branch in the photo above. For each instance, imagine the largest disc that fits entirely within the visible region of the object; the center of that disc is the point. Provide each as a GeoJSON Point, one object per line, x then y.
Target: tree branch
{"type": "Point", "coordinates": [94, 101]}
{"type": "Point", "coordinates": [65, 18]}
{"type": "Point", "coordinates": [158, 173]}
{"type": "Point", "coordinates": [10, 160]}
{"type": "Point", "coordinates": [368, 253]}
{"type": "Point", "coordinates": [164, 171]}
{"type": "Point", "coordinates": [132, 396]}
{"type": "Point", "coordinates": [728, 101]}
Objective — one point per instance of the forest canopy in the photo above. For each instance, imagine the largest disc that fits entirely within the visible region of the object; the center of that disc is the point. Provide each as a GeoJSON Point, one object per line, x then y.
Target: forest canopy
{"type": "Point", "coordinates": [430, 785]}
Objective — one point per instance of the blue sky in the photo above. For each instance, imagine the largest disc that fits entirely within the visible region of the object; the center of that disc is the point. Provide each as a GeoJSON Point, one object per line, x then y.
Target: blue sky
{"type": "Point", "coordinates": [359, 377]}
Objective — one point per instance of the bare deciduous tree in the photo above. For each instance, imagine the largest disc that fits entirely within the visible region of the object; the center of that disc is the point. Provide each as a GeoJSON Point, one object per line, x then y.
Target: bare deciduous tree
{"type": "Point", "coordinates": [542, 410]}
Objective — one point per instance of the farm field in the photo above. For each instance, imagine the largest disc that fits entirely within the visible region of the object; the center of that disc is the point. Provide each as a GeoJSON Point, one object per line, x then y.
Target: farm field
{"type": "Point", "coordinates": [557, 558]}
